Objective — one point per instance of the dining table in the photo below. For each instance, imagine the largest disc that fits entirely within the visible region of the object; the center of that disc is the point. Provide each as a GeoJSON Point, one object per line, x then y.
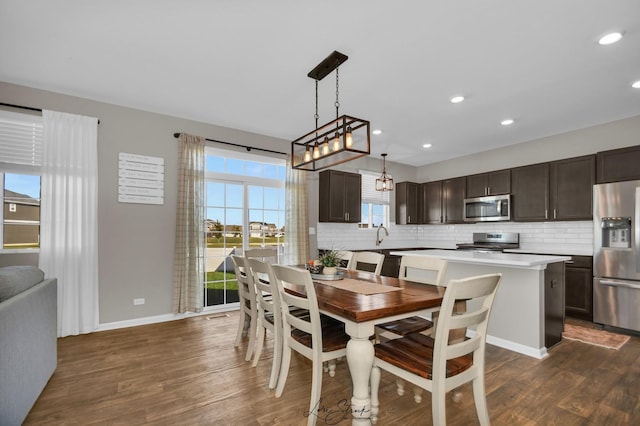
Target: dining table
{"type": "Point", "coordinates": [361, 300]}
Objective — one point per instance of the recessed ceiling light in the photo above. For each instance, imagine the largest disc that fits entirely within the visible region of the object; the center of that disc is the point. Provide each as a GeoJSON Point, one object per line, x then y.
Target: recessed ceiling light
{"type": "Point", "coordinates": [457, 99]}
{"type": "Point", "coordinates": [376, 132]}
{"type": "Point", "coordinates": [426, 145]}
{"type": "Point", "coordinates": [507, 122]}
{"type": "Point", "coordinates": [610, 38]}
{"type": "Point", "coordinates": [636, 84]}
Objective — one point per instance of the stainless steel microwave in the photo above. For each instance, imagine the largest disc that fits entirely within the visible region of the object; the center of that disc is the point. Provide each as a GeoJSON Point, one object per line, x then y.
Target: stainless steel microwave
{"type": "Point", "coordinates": [487, 209]}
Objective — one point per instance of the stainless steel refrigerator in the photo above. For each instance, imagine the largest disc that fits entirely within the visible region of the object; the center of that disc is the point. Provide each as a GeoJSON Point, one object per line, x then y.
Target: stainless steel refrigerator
{"type": "Point", "coordinates": [616, 254]}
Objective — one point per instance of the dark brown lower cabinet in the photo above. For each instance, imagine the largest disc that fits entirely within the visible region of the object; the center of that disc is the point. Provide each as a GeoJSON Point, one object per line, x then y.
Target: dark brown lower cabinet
{"type": "Point", "coordinates": [579, 288]}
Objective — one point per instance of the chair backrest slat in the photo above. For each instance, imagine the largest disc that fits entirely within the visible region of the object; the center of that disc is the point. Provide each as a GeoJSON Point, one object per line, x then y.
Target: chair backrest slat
{"type": "Point", "coordinates": [266, 254]}
{"type": "Point", "coordinates": [423, 269]}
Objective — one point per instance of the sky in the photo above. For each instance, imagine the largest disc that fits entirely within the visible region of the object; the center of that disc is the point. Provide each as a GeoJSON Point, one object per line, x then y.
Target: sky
{"type": "Point", "coordinates": [23, 184]}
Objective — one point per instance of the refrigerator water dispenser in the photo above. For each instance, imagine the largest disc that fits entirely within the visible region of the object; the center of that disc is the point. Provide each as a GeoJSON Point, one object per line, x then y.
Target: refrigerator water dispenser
{"type": "Point", "coordinates": [616, 232]}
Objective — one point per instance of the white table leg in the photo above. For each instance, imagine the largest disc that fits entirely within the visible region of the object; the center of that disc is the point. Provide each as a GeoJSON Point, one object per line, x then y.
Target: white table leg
{"type": "Point", "coordinates": [360, 359]}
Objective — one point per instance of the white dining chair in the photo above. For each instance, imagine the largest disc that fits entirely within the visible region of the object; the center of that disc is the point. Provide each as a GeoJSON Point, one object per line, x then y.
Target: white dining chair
{"type": "Point", "coordinates": [269, 315]}
{"type": "Point", "coordinates": [367, 261]}
{"type": "Point", "coordinates": [422, 269]}
{"type": "Point", "coordinates": [247, 324]}
{"type": "Point", "coordinates": [306, 335]}
{"type": "Point", "coordinates": [440, 365]}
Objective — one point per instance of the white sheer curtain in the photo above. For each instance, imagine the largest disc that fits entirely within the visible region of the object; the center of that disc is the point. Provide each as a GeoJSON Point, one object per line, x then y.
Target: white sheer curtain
{"type": "Point", "coordinates": [188, 264]}
{"type": "Point", "coordinates": [69, 218]}
{"type": "Point", "coordinates": [296, 248]}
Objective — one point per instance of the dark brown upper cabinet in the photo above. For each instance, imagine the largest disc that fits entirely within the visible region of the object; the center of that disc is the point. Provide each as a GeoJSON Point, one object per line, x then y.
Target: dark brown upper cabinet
{"type": "Point", "coordinates": [408, 199]}
{"type": "Point", "coordinates": [559, 190]}
{"type": "Point", "coordinates": [340, 197]}
{"type": "Point", "coordinates": [432, 202]}
{"type": "Point", "coordinates": [492, 183]}
{"type": "Point", "coordinates": [530, 192]}
{"type": "Point", "coordinates": [617, 165]}
{"type": "Point", "coordinates": [571, 188]}
{"type": "Point", "coordinates": [453, 193]}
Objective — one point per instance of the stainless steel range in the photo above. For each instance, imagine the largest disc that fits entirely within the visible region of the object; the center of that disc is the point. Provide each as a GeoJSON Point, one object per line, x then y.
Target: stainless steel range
{"type": "Point", "coordinates": [616, 254]}
{"type": "Point", "coordinates": [492, 241]}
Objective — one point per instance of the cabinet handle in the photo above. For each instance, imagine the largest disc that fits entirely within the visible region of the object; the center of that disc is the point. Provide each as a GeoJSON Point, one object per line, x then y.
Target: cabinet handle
{"type": "Point", "coordinates": [408, 219]}
{"type": "Point", "coordinates": [546, 214]}
{"type": "Point", "coordinates": [554, 213]}
{"type": "Point", "coordinates": [554, 283]}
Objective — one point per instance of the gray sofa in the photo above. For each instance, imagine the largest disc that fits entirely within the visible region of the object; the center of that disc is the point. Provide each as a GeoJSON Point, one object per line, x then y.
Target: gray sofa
{"type": "Point", "coordinates": [28, 334]}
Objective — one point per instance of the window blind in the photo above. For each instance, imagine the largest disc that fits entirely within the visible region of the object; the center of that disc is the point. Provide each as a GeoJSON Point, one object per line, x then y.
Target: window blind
{"type": "Point", "coordinates": [369, 193]}
{"type": "Point", "coordinates": [21, 137]}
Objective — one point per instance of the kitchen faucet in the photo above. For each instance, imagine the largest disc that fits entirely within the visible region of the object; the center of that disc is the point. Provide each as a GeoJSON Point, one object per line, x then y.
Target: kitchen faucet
{"type": "Point", "coordinates": [378, 239]}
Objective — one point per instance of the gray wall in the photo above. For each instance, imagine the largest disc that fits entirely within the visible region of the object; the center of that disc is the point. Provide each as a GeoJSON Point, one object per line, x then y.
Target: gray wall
{"type": "Point", "coordinates": [590, 140]}
{"type": "Point", "coordinates": [136, 241]}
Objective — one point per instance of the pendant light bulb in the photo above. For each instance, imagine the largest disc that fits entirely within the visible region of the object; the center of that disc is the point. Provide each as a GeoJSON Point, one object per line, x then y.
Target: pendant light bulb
{"type": "Point", "coordinates": [325, 146]}
{"type": "Point", "coordinates": [316, 152]}
{"type": "Point", "coordinates": [348, 138]}
{"type": "Point", "coordinates": [336, 142]}
{"type": "Point", "coordinates": [307, 155]}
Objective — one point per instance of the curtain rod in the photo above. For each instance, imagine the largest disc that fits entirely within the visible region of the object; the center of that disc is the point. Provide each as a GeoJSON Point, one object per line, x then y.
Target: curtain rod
{"type": "Point", "coordinates": [25, 107]}
{"type": "Point", "coordinates": [248, 148]}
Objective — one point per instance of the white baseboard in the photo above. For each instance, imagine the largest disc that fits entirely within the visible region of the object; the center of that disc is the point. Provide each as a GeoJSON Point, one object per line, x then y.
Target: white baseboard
{"type": "Point", "coordinates": [157, 319]}
{"type": "Point", "coordinates": [538, 353]}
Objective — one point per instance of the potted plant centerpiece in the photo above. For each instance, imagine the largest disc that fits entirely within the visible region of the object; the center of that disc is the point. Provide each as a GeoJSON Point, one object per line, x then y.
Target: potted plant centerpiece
{"type": "Point", "coordinates": [330, 260]}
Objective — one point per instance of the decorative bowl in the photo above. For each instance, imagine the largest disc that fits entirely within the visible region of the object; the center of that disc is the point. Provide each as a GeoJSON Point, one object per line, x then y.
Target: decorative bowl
{"type": "Point", "coordinates": [315, 269]}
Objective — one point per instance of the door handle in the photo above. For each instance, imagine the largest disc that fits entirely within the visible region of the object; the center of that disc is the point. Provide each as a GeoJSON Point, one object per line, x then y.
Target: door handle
{"type": "Point", "coordinates": [624, 284]}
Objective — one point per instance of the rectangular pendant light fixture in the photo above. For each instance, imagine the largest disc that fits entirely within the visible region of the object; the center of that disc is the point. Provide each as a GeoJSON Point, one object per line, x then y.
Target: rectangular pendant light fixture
{"type": "Point", "coordinates": [343, 139]}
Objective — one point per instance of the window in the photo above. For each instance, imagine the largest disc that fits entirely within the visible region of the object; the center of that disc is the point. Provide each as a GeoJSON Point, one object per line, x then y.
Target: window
{"type": "Point", "coordinates": [244, 208]}
{"type": "Point", "coordinates": [375, 204]}
{"type": "Point", "coordinates": [20, 154]}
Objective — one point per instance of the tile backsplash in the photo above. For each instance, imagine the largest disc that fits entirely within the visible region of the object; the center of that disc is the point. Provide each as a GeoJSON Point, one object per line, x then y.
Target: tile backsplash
{"type": "Point", "coordinates": [537, 237]}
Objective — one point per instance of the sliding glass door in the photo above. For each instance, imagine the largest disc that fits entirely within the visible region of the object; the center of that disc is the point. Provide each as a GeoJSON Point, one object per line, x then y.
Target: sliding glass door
{"type": "Point", "coordinates": [244, 208]}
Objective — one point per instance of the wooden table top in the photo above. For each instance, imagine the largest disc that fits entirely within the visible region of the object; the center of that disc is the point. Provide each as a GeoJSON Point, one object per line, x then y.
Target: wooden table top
{"type": "Point", "coordinates": [360, 307]}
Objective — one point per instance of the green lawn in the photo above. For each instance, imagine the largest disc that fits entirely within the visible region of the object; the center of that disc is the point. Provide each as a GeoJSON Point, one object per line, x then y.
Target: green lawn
{"type": "Point", "coordinates": [215, 280]}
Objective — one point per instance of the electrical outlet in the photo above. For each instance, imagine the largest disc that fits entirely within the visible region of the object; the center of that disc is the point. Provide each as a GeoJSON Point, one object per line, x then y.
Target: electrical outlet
{"type": "Point", "coordinates": [139, 301]}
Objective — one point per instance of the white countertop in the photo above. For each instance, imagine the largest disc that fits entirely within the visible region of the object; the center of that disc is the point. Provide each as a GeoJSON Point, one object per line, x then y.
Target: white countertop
{"type": "Point", "coordinates": [512, 260]}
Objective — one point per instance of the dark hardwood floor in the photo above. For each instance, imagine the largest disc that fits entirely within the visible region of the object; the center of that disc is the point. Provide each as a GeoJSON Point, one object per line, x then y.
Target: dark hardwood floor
{"type": "Point", "coordinates": [188, 372]}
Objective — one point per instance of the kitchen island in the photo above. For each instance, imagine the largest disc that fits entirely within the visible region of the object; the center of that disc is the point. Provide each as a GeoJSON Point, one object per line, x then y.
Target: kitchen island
{"type": "Point", "coordinates": [528, 311]}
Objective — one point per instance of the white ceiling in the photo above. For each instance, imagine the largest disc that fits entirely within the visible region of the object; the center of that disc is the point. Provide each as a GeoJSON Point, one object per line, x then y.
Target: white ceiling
{"type": "Point", "coordinates": [244, 64]}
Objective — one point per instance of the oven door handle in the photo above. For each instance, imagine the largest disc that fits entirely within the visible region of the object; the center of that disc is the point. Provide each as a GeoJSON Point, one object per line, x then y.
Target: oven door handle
{"type": "Point", "coordinates": [625, 284]}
